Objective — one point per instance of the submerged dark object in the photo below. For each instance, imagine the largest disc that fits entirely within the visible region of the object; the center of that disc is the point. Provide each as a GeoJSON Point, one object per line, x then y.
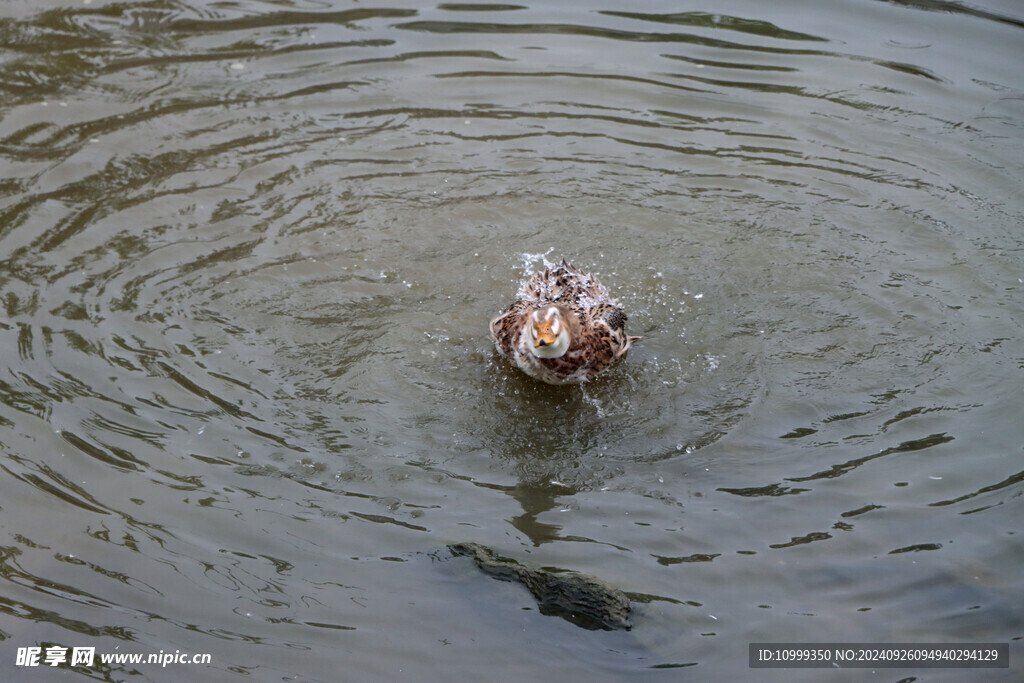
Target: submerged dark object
{"type": "Point", "coordinates": [580, 599]}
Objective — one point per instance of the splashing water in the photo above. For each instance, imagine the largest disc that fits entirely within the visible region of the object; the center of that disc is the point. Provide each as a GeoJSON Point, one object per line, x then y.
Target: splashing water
{"type": "Point", "coordinates": [529, 262]}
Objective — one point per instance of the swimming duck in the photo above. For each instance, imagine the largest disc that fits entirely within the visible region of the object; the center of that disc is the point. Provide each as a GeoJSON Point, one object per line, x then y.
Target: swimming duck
{"type": "Point", "coordinates": [564, 328]}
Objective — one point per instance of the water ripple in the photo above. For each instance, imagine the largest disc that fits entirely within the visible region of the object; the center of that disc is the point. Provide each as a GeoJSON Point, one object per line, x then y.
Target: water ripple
{"type": "Point", "coordinates": [248, 255]}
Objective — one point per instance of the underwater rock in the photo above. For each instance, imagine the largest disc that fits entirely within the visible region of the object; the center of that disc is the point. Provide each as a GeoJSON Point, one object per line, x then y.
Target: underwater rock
{"type": "Point", "coordinates": [580, 599]}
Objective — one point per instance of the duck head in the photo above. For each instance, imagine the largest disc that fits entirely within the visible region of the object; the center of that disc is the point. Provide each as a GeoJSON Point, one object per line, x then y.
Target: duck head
{"type": "Point", "coordinates": [549, 329]}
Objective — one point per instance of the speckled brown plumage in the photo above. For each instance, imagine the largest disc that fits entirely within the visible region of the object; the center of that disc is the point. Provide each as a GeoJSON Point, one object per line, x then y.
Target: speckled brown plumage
{"type": "Point", "coordinates": [595, 323]}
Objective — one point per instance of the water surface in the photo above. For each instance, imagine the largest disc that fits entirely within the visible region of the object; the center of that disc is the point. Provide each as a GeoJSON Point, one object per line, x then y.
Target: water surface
{"type": "Point", "coordinates": [248, 252]}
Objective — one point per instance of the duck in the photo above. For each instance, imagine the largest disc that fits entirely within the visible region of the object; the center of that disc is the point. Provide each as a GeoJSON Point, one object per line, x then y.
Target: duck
{"type": "Point", "coordinates": [564, 327]}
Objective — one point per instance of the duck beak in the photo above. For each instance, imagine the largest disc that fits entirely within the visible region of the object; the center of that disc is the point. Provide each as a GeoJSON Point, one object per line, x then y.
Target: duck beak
{"type": "Point", "coordinates": [544, 338]}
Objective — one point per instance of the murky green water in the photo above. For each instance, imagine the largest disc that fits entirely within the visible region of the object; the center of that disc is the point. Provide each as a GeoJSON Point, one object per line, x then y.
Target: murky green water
{"type": "Point", "coordinates": [248, 252]}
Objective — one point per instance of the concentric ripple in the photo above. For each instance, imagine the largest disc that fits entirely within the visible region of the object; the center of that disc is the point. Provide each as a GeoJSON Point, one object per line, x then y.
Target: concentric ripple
{"type": "Point", "coordinates": [248, 252]}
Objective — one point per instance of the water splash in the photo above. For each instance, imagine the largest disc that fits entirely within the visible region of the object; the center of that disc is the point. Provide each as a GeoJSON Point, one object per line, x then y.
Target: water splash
{"type": "Point", "coordinates": [529, 262]}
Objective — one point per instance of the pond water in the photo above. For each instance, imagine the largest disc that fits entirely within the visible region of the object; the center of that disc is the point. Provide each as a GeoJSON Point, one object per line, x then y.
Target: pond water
{"type": "Point", "coordinates": [249, 250]}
